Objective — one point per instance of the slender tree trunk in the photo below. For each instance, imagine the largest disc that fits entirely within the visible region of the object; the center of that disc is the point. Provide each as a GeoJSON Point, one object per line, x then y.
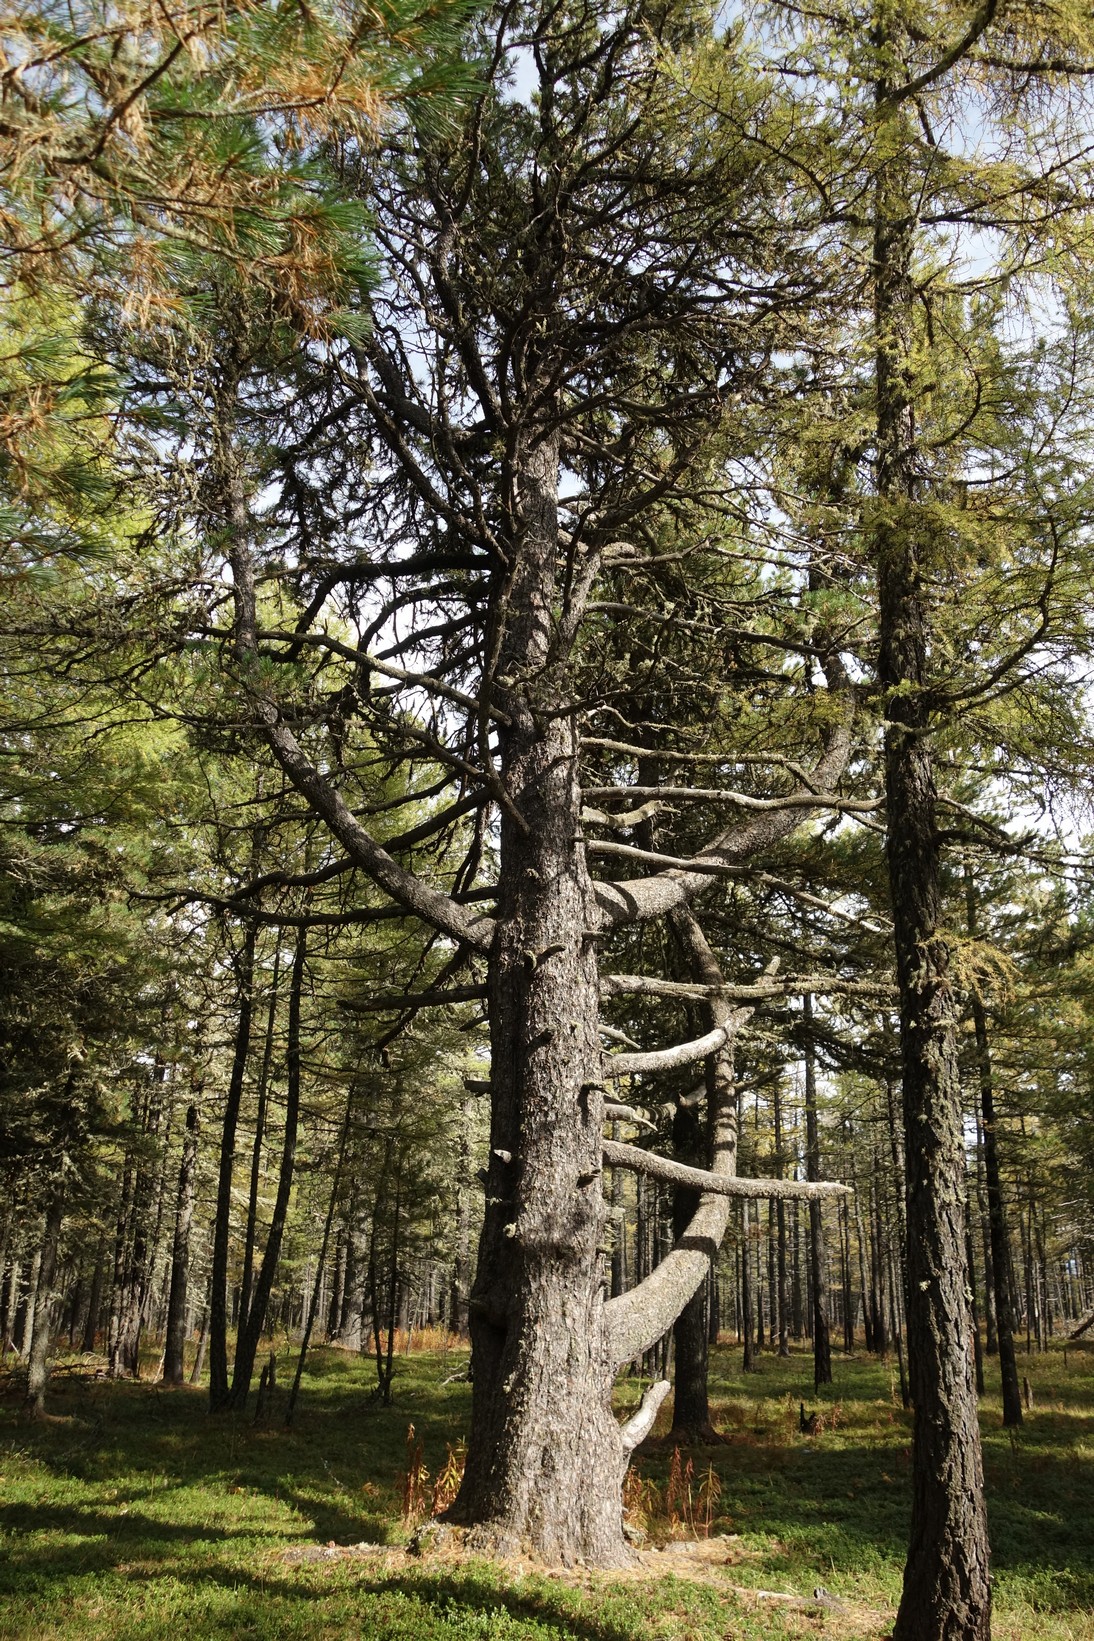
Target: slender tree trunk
{"type": "Point", "coordinates": [782, 1305]}
{"type": "Point", "coordinates": [748, 1357]}
{"type": "Point", "coordinates": [619, 1227]}
{"type": "Point", "coordinates": [977, 1347]}
{"type": "Point", "coordinates": [312, 1310]}
{"type": "Point", "coordinates": [218, 1290]}
{"type": "Point", "coordinates": [848, 1283]}
{"type": "Point", "coordinates": [95, 1300]}
{"type": "Point", "coordinates": [350, 1331]}
{"type": "Point", "coordinates": [203, 1340]}
{"type": "Point", "coordinates": [990, 1343]}
{"type": "Point", "coordinates": [175, 1341]}
{"type": "Point", "coordinates": [1000, 1263]}
{"type": "Point", "coordinates": [260, 1132]}
{"type": "Point", "coordinates": [461, 1266]}
{"type": "Point", "coordinates": [822, 1350]}
{"type": "Point", "coordinates": [30, 1302]}
{"type": "Point", "coordinates": [247, 1340]}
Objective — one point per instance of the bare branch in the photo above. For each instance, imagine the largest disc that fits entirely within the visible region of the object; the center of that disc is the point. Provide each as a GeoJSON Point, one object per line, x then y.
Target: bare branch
{"type": "Point", "coordinates": [666, 1059]}
{"type": "Point", "coordinates": [641, 899]}
{"type": "Point", "coordinates": [642, 985]}
{"type": "Point", "coordinates": [639, 1425]}
{"type": "Point", "coordinates": [740, 800]}
{"type": "Point", "coordinates": [699, 1179]}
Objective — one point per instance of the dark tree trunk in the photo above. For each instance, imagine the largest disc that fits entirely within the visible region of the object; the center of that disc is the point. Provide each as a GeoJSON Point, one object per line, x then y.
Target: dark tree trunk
{"type": "Point", "coordinates": [748, 1355]}
{"type": "Point", "coordinates": [691, 1403]}
{"type": "Point", "coordinates": [259, 1135]}
{"type": "Point", "coordinates": [175, 1341]}
{"type": "Point", "coordinates": [95, 1301]}
{"type": "Point", "coordinates": [218, 1290]}
{"type": "Point", "coordinates": [822, 1350]}
{"type": "Point", "coordinates": [997, 1222]}
{"type": "Point", "coordinates": [947, 1593]}
{"type": "Point", "coordinates": [251, 1332]}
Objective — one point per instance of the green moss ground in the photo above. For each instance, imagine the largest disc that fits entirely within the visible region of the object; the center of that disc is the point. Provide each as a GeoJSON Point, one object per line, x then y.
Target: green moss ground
{"type": "Point", "coordinates": [131, 1514]}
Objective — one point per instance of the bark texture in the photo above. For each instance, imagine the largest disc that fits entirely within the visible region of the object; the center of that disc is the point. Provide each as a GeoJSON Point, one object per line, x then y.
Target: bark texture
{"type": "Point", "coordinates": [546, 1458]}
{"type": "Point", "coordinates": [947, 1594]}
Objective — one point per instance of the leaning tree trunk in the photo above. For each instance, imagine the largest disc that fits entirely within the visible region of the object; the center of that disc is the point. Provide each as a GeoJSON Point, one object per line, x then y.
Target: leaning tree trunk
{"type": "Point", "coordinates": [947, 1594]}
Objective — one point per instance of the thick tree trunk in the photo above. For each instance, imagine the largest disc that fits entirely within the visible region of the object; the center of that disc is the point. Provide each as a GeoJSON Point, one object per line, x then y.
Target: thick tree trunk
{"type": "Point", "coordinates": [175, 1342]}
{"type": "Point", "coordinates": [546, 1459]}
{"type": "Point", "coordinates": [947, 1594]}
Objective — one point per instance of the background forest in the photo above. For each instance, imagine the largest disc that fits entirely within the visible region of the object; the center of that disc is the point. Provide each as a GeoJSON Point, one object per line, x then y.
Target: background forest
{"type": "Point", "coordinates": [452, 458]}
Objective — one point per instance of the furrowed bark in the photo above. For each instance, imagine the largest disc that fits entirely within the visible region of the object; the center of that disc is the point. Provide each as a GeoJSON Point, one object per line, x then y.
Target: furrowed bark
{"type": "Point", "coordinates": [546, 1457]}
{"type": "Point", "coordinates": [947, 1594]}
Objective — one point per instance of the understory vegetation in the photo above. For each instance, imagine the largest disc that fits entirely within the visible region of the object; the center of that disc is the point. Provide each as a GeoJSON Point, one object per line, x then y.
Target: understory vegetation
{"type": "Point", "coordinates": [130, 1513]}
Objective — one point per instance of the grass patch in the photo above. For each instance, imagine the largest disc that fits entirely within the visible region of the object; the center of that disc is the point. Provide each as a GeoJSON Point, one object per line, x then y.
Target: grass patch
{"type": "Point", "coordinates": [131, 1513]}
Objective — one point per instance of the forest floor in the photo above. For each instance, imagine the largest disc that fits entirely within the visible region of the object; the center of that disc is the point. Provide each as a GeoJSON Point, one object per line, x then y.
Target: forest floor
{"type": "Point", "coordinates": [130, 1513]}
